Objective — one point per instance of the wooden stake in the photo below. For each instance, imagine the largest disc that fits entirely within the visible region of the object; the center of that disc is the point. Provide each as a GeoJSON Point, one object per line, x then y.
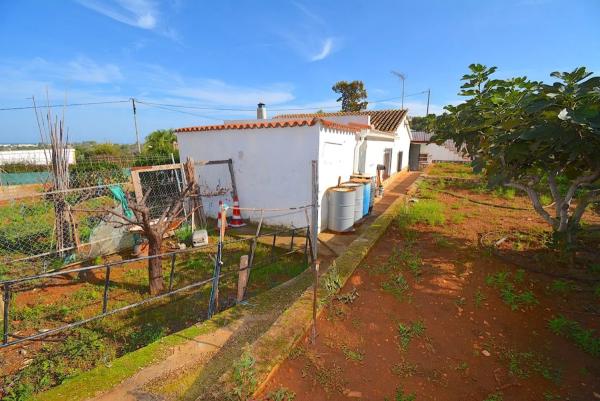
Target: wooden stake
{"type": "Point", "coordinates": [242, 278]}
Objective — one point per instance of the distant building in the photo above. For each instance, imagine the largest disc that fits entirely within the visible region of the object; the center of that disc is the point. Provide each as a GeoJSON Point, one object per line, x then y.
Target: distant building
{"type": "Point", "coordinates": [33, 156]}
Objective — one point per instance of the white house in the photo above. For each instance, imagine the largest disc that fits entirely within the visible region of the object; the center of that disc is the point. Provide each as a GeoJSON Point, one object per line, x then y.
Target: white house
{"type": "Point", "coordinates": [272, 157]}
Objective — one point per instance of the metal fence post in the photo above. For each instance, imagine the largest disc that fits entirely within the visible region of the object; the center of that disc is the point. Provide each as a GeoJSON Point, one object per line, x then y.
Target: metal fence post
{"type": "Point", "coordinates": [213, 304]}
{"type": "Point", "coordinates": [172, 271]}
{"type": "Point", "coordinates": [106, 285]}
{"type": "Point", "coordinates": [5, 314]}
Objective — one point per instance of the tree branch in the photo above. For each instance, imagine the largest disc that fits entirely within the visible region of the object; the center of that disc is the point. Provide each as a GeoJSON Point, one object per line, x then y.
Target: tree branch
{"type": "Point", "coordinates": [535, 200]}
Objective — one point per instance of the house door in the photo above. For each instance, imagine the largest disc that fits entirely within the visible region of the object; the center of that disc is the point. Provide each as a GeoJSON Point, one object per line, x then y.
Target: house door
{"type": "Point", "coordinates": [399, 161]}
{"type": "Point", "coordinates": [413, 156]}
{"type": "Point", "coordinates": [387, 162]}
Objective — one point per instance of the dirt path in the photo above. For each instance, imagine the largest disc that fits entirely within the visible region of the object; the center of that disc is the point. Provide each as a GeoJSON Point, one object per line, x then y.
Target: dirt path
{"type": "Point", "coordinates": [443, 331]}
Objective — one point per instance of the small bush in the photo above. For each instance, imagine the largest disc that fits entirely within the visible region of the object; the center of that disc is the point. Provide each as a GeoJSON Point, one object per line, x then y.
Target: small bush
{"type": "Point", "coordinates": [409, 331]}
{"type": "Point", "coordinates": [184, 234]}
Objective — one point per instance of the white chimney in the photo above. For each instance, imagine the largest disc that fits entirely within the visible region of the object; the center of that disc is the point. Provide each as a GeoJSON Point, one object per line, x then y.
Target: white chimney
{"type": "Point", "coordinates": [261, 112]}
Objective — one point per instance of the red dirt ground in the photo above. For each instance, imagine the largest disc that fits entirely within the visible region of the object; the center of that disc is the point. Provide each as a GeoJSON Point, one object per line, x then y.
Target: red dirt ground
{"type": "Point", "coordinates": [469, 343]}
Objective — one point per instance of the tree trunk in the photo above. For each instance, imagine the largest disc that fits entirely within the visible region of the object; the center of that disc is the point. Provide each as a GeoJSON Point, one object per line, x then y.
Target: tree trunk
{"type": "Point", "coordinates": [155, 277]}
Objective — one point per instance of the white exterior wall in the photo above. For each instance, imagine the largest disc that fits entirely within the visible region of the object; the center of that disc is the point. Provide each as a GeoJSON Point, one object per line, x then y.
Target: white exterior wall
{"type": "Point", "coordinates": [33, 156]}
{"type": "Point", "coordinates": [374, 154]}
{"type": "Point", "coordinates": [441, 153]}
{"type": "Point", "coordinates": [336, 159]}
{"type": "Point", "coordinates": [272, 167]}
{"type": "Point", "coordinates": [402, 144]}
{"type": "Point", "coordinates": [376, 148]}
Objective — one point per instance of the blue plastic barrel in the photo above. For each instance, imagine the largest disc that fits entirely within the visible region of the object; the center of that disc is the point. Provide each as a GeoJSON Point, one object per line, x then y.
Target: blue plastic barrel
{"type": "Point", "coordinates": [367, 198]}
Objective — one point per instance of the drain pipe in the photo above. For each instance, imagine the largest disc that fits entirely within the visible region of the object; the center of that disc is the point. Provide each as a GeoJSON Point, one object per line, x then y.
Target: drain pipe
{"type": "Point", "coordinates": [360, 139]}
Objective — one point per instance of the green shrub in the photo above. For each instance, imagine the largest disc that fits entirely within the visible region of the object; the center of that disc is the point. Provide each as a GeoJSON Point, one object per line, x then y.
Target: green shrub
{"type": "Point", "coordinates": [184, 234]}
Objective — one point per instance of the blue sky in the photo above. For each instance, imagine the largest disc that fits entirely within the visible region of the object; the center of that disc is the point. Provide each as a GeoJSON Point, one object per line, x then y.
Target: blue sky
{"type": "Point", "coordinates": [231, 54]}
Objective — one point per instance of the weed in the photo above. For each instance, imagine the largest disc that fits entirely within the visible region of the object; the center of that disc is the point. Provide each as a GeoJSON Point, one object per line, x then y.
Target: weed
{"type": "Point", "coordinates": [409, 331]}
{"type": "Point", "coordinates": [479, 298]}
{"type": "Point", "coordinates": [597, 290]}
{"type": "Point", "coordinates": [583, 338]}
{"type": "Point", "coordinates": [523, 364]}
{"type": "Point", "coordinates": [494, 397]}
{"type": "Point", "coordinates": [184, 234]}
{"type": "Point", "coordinates": [594, 268]}
{"type": "Point", "coordinates": [281, 394]}
{"type": "Point", "coordinates": [332, 281]}
{"type": "Point", "coordinates": [506, 193]}
{"type": "Point", "coordinates": [460, 301]}
{"type": "Point", "coordinates": [462, 366]}
{"type": "Point", "coordinates": [87, 293]}
{"type": "Point", "coordinates": [519, 276]}
{"type": "Point", "coordinates": [545, 199]}
{"type": "Point", "coordinates": [353, 355]}
{"type": "Point", "coordinates": [457, 217]}
{"type": "Point", "coordinates": [429, 212]}
{"type": "Point", "coordinates": [144, 336]}
{"type": "Point", "coordinates": [404, 369]}
{"type": "Point", "coordinates": [442, 242]}
{"type": "Point", "coordinates": [396, 286]}
{"type": "Point", "coordinates": [297, 352]}
{"type": "Point", "coordinates": [560, 287]}
{"type": "Point", "coordinates": [550, 396]}
{"type": "Point", "coordinates": [400, 396]}
{"type": "Point", "coordinates": [244, 377]}
{"type": "Point", "coordinates": [509, 294]}
{"type": "Point", "coordinates": [349, 297]}
{"type": "Point", "coordinates": [81, 350]}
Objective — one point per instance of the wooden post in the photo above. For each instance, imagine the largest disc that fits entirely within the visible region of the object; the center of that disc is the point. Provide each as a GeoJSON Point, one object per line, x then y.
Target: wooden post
{"type": "Point", "coordinates": [190, 177]}
{"type": "Point", "coordinates": [233, 184]}
{"type": "Point", "coordinates": [242, 278]}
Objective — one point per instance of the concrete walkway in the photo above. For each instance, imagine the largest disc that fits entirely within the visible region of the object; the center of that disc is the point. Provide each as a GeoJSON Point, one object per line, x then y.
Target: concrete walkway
{"type": "Point", "coordinates": [203, 358]}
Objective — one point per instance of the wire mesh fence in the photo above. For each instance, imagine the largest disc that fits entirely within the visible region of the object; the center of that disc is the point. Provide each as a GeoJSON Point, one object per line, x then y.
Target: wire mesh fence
{"type": "Point", "coordinates": [98, 193]}
{"type": "Point", "coordinates": [118, 286]}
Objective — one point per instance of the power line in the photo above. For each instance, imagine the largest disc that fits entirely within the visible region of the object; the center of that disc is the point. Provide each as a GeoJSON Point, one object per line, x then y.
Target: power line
{"type": "Point", "coordinates": [172, 107]}
{"type": "Point", "coordinates": [160, 106]}
{"type": "Point", "coordinates": [63, 105]}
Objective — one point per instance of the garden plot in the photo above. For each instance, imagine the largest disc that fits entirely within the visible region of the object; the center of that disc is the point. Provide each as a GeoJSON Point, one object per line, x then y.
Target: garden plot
{"type": "Point", "coordinates": [433, 313]}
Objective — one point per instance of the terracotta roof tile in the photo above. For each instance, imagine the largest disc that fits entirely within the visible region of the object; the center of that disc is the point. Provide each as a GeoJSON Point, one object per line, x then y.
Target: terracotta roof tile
{"type": "Point", "coordinates": [279, 123]}
{"type": "Point", "coordinates": [382, 120]}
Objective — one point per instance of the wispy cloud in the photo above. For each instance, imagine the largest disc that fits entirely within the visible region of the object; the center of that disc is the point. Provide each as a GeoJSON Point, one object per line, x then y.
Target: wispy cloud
{"type": "Point", "coordinates": [309, 35]}
{"type": "Point", "coordinates": [325, 51]}
{"type": "Point", "coordinates": [143, 14]}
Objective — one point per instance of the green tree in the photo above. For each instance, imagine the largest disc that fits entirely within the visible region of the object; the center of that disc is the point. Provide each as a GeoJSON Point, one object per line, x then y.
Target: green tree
{"type": "Point", "coordinates": [536, 137]}
{"type": "Point", "coordinates": [353, 95]}
{"type": "Point", "coordinates": [425, 123]}
{"type": "Point", "coordinates": [161, 143]}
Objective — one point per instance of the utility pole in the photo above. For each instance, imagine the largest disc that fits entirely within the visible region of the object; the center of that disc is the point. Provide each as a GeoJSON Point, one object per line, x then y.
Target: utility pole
{"type": "Point", "coordinates": [137, 135]}
{"type": "Point", "coordinates": [428, 96]}
{"type": "Point", "coordinates": [403, 78]}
